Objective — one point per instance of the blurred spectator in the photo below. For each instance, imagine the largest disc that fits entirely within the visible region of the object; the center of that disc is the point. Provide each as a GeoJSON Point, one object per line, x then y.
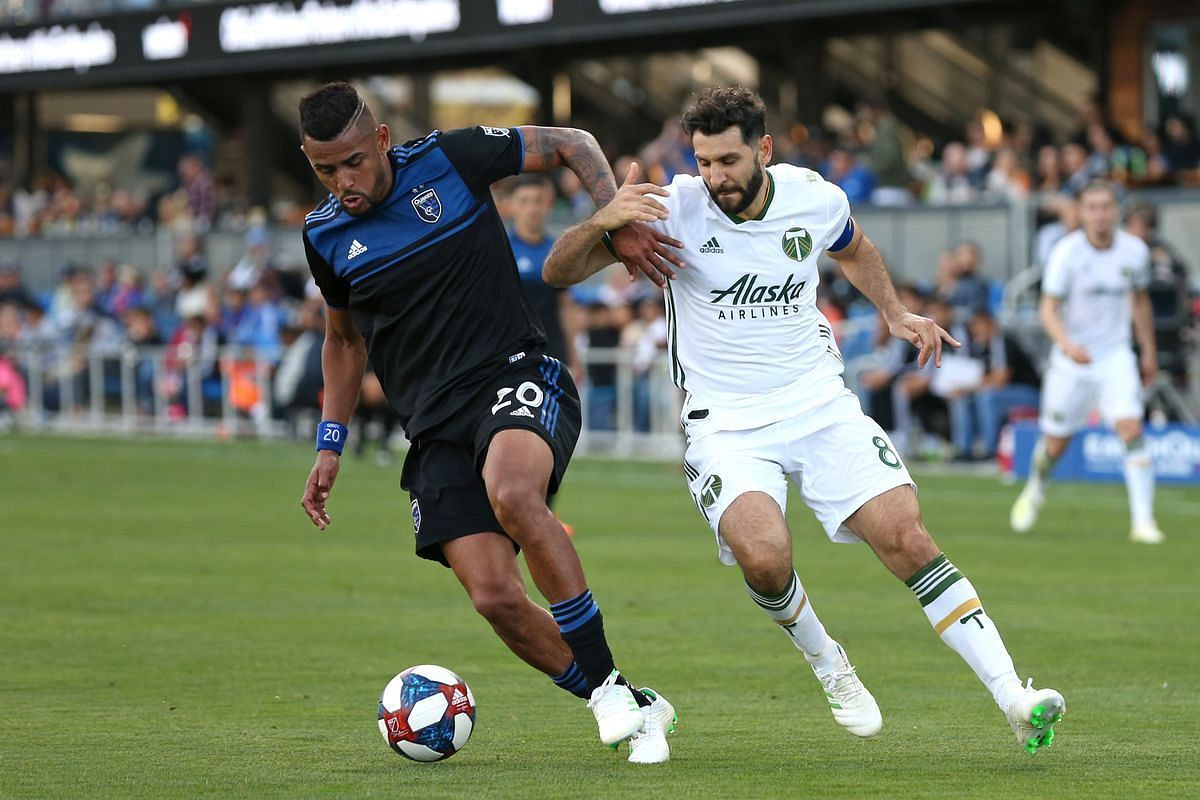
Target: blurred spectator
{"type": "Point", "coordinates": [192, 296]}
{"type": "Point", "coordinates": [1170, 292]}
{"type": "Point", "coordinates": [920, 416]}
{"type": "Point", "coordinates": [200, 190]}
{"type": "Point", "coordinates": [891, 356]}
{"type": "Point", "coordinates": [603, 334]}
{"type": "Point", "coordinates": [1076, 167]}
{"type": "Point", "coordinates": [1067, 209]}
{"type": "Point", "coordinates": [960, 286]}
{"type": "Point", "coordinates": [12, 290]}
{"type": "Point", "coordinates": [1007, 180]}
{"type": "Point", "coordinates": [160, 299]}
{"type": "Point", "coordinates": [647, 337]}
{"type": "Point", "coordinates": [995, 376]}
{"type": "Point", "coordinates": [855, 180]}
{"type": "Point", "coordinates": [1049, 171]}
{"type": "Point", "coordinates": [298, 380]}
{"type": "Point", "coordinates": [260, 327]}
{"type": "Point", "coordinates": [951, 184]}
{"type": "Point", "coordinates": [141, 332]}
{"type": "Point", "coordinates": [1181, 147]}
{"type": "Point", "coordinates": [668, 155]}
{"type": "Point", "coordinates": [528, 205]}
{"type": "Point", "coordinates": [885, 151]}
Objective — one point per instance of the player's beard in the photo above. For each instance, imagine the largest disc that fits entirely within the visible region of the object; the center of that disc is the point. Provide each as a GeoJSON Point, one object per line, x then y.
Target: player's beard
{"type": "Point", "coordinates": [737, 203]}
{"type": "Point", "coordinates": [377, 195]}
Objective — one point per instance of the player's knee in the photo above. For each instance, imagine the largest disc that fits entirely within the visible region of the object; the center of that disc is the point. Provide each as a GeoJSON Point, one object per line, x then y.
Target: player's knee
{"type": "Point", "coordinates": [498, 603]}
{"type": "Point", "coordinates": [907, 546]}
{"type": "Point", "coordinates": [765, 574]}
{"type": "Point", "coordinates": [516, 507]}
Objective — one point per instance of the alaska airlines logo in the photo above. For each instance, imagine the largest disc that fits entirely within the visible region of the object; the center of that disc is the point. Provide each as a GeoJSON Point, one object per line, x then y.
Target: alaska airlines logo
{"type": "Point", "coordinates": [428, 206]}
{"type": "Point", "coordinates": [745, 291]}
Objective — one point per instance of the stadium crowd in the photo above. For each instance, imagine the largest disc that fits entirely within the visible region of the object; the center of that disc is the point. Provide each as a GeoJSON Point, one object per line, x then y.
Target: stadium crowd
{"type": "Point", "coordinates": [192, 309]}
{"type": "Point", "coordinates": [868, 153]}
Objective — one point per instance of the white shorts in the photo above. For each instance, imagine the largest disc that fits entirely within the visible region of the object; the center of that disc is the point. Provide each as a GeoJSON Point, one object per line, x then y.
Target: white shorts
{"type": "Point", "coordinates": [1070, 391]}
{"type": "Point", "coordinates": [839, 458]}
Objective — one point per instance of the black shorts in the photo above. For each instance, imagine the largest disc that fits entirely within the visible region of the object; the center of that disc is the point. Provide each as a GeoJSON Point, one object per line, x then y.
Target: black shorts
{"type": "Point", "coordinates": [443, 470]}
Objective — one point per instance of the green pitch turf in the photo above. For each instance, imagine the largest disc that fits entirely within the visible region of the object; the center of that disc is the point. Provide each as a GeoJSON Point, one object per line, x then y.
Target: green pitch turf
{"type": "Point", "coordinates": [171, 625]}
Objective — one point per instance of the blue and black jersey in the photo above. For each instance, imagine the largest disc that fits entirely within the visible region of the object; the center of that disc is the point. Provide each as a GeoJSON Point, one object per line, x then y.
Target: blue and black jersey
{"type": "Point", "coordinates": [428, 274]}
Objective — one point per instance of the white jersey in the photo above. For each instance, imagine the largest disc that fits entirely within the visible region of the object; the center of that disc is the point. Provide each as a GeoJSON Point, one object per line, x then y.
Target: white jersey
{"type": "Point", "coordinates": [747, 342]}
{"type": "Point", "coordinates": [1096, 287]}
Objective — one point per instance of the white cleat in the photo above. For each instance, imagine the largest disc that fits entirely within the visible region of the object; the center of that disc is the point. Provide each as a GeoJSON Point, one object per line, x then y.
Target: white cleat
{"type": "Point", "coordinates": [650, 746]}
{"type": "Point", "coordinates": [852, 705]}
{"type": "Point", "coordinates": [1025, 510]}
{"type": "Point", "coordinates": [617, 713]}
{"type": "Point", "coordinates": [1147, 533]}
{"type": "Point", "coordinates": [1032, 715]}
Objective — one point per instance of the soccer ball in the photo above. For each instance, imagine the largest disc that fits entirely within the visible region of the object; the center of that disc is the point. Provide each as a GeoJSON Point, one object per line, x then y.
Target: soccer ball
{"type": "Point", "coordinates": [426, 713]}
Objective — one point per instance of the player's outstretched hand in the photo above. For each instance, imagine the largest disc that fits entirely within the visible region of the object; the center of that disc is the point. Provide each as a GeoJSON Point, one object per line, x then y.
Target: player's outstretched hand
{"type": "Point", "coordinates": [925, 334]}
{"type": "Point", "coordinates": [320, 484]}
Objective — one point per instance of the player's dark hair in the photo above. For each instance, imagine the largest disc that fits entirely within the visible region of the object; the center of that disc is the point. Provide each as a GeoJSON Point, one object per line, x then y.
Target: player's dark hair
{"type": "Point", "coordinates": [720, 108]}
{"type": "Point", "coordinates": [328, 110]}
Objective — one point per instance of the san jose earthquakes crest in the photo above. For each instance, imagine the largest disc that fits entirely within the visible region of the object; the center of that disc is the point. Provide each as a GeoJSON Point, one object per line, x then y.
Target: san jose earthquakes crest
{"type": "Point", "coordinates": [428, 206]}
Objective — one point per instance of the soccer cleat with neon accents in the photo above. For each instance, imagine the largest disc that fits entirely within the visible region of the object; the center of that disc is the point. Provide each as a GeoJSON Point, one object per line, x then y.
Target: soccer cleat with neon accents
{"type": "Point", "coordinates": [650, 746]}
{"type": "Point", "coordinates": [853, 707]}
{"type": "Point", "coordinates": [617, 714]}
{"type": "Point", "coordinates": [1032, 715]}
{"type": "Point", "coordinates": [1024, 512]}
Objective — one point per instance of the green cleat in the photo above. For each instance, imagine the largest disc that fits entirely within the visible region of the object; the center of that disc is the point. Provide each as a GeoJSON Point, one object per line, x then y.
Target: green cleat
{"type": "Point", "coordinates": [1033, 713]}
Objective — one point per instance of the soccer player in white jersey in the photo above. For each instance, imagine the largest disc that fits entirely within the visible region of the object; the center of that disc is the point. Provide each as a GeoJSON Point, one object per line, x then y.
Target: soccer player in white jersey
{"type": "Point", "coordinates": [765, 398]}
{"type": "Point", "coordinates": [1094, 285]}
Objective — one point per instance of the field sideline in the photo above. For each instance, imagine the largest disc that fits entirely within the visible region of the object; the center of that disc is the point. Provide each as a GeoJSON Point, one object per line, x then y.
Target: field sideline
{"type": "Point", "coordinates": [171, 625]}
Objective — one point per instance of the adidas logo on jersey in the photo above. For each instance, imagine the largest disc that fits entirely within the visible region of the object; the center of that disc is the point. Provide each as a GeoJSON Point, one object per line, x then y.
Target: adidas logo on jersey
{"type": "Point", "coordinates": [521, 411]}
{"type": "Point", "coordinates": [357, 248]}
{"type": "Point", "coordinates": [712, 246]}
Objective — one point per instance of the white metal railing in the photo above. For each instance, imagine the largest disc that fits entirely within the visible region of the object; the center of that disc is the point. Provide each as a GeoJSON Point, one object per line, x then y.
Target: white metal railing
{"type": "Point", "coordinates": [227, 391]}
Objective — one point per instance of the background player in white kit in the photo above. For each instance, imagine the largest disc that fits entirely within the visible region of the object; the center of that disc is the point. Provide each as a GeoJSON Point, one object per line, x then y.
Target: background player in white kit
{"type": "Point", "coordinates": [1094, 285]}
{"type": "Point", "coordinates": [766, 400]}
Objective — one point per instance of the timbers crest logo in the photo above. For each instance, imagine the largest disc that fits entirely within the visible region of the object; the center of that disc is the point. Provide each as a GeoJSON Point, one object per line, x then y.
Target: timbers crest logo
{"type": "Point", "coordinates": [797, 243]}
{"type": "Point", "coordinates": [710, 491]}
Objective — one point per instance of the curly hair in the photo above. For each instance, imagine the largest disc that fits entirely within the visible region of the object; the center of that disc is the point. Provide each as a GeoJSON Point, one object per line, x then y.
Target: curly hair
{"type": "Point", "coordinates": [720, 108]}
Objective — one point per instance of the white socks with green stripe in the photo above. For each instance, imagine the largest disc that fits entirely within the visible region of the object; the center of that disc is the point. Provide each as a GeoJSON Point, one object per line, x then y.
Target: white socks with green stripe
{"type": "Point", "coordinates": [1139, 480]}
{"type": "Point", "coordinates": [792, 612]}
{"type": "Point", "coordinates": [953, 609]}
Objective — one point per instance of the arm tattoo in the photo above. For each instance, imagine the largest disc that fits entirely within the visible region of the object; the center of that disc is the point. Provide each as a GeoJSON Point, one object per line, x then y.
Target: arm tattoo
{"type": "Point", "coordinates": [546, 148]}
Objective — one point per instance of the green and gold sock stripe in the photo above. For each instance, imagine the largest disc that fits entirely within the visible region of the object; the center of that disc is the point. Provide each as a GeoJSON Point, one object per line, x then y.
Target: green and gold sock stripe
{"type": "Point", "coordinates": [963, 608]}
{"type": "Point", "coordinates": [799, 611]}
{"type": "Point", "coordinates": [779, 602]}
{"type": "Point", "coordinates": [934, 578]}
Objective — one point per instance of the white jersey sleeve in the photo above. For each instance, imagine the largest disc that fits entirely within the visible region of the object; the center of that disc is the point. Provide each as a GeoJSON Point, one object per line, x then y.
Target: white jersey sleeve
{"type": "Point", "coordinates": [1056, 277]}
{"type": "Point", "coordinates": [1140, 279]}
{"type": "Point", "coordinates": [837, 210]}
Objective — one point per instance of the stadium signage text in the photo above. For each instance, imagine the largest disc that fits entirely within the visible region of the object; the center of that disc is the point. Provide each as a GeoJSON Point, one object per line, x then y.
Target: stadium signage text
{"type": "Point", "coordinates": [59, 47]}
{"type": "Point", "coordinates": [524, 12]}
{"type": "Point", "coordinates": [272, 26]}
{"type": "Point", "coordinates": [640, 6]}
{"type": "Point", "coordinates": [1098, 454]}
{"type": "Point", "coordinates": [166, 39]}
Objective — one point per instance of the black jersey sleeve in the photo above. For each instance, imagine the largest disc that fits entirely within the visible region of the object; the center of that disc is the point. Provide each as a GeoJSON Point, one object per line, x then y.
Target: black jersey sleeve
{"type": "Point", "coordinates": [483, 155]}
{"type": "Point", "coordinates": [335, 290]}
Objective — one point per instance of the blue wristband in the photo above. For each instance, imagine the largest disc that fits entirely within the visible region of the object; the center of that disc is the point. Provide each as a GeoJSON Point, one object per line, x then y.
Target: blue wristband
{"type": "Point", "coordinates": [331, 436]}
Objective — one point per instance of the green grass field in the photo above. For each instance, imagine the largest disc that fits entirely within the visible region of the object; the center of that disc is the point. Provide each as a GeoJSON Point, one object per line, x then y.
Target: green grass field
{"type": "Point", "coordinates": [171, 625]}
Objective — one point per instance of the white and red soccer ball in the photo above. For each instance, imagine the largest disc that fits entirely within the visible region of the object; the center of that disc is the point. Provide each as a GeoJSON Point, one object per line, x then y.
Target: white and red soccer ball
{"type": "Point", "coordinates": [426, 713]}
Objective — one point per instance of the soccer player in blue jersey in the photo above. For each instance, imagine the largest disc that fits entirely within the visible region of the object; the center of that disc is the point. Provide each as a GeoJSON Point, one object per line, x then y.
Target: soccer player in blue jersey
{"type": "Point", "coordinates": [413, 261]}
{"type": "Point", "coordinates": [530, 200]}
